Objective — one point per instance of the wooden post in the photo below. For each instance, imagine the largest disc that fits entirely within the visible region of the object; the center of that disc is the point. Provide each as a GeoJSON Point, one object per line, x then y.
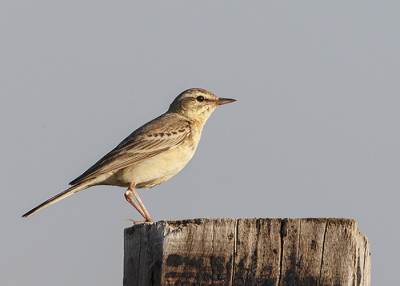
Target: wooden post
{"type": "Point", "coordinates": [247, 252]}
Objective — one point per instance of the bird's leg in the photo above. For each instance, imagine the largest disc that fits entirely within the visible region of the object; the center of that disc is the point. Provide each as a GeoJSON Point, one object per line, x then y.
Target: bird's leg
{"type": "Point", "coordinates": [147, 215]}
{"type": "Point", "coordinates": [129, 198]}
{"type": "Point", "coordinates": [142, 209]}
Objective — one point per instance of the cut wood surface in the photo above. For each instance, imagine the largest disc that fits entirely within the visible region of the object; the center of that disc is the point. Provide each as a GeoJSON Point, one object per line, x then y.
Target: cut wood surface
{"type": "Point", "coordinates": [247, 252]}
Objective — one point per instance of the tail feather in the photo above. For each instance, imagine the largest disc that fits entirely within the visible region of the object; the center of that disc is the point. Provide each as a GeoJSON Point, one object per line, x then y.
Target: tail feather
{"type": "Point", "coordinates": [57, 198]}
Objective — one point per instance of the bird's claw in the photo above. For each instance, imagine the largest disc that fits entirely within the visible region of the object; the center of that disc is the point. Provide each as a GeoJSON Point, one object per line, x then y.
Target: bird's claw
{"type": "Point", "coordinates": [135, 222]}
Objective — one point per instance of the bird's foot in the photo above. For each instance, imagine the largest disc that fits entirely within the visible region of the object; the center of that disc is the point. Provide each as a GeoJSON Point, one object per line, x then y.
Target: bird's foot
{"type": "Point", "coordinates": [135, 222]}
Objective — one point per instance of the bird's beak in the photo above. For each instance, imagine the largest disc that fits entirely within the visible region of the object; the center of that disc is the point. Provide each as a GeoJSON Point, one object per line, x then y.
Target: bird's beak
{"type": "Point", "coordinates": [224, 101]}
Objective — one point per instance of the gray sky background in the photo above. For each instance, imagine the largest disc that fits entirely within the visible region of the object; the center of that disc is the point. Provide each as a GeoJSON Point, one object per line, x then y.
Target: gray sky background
{"type": "Point", "coordinates": [314, 133]}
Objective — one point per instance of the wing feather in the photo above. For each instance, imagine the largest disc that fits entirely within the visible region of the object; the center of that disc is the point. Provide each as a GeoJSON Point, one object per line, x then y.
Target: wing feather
{"type": "Point", "coordinates": [153, 138]}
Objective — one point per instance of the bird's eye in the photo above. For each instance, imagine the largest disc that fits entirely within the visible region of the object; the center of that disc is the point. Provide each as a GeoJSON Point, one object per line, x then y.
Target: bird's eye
{"type": "Point", "coordinates": [200, 98]}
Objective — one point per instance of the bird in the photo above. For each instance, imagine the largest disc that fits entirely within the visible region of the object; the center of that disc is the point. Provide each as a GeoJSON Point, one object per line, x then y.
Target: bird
{"type": "Point", "coordinates": [151, 154]}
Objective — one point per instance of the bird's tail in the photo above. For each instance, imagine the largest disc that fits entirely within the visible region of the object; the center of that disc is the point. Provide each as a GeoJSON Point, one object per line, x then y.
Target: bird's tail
{"type": "Point", "coordinates": [57, 198]}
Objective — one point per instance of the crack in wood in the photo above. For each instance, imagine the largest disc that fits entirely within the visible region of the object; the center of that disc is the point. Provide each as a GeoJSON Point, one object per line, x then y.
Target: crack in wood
{"type": "Point", "coordinates": [322, 255]}
{"type": "Point", "coordinates": [234, 254]}
{"type": "Point", "coordinates": [281, 254]}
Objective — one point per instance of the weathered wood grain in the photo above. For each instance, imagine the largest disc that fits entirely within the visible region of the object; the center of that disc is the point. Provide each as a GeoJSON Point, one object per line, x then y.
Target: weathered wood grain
{"type": "Point", "coordinates": [199, 252]}
{"type": "Point", "coordinates": [258, 248]}
{"type": "Point", "coordinates": [247, 252]}
{"type": "Point", "coordinates": [303, 241]}
{"type": "Point", "coordinates": [346, 257]}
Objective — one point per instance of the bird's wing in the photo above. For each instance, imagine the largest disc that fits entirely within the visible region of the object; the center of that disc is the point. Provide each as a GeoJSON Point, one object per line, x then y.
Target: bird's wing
{"type": "Point", "coordinates": [155, 137]}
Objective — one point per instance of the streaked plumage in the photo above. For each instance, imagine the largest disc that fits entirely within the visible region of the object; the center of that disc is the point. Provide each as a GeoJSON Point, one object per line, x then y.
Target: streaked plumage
{"type": "Point", "coordinates": [153, 153]}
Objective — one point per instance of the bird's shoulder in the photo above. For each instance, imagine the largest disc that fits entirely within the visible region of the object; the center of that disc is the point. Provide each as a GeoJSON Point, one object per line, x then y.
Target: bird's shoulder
{"type": "Point", "coordinates": [166, 123]}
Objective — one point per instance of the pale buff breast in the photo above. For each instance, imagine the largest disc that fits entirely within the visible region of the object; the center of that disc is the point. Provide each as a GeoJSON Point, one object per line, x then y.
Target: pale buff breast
{"type": "Point", "coordinates": [160, 168]}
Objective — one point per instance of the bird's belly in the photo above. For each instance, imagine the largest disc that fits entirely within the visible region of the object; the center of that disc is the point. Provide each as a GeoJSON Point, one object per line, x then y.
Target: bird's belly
{"type": "Point", "coordinates": [156, 170]}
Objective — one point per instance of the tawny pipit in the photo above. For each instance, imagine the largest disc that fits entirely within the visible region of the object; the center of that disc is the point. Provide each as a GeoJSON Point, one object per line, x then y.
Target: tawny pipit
{"type": "Point", "coordinates": [151, 154]}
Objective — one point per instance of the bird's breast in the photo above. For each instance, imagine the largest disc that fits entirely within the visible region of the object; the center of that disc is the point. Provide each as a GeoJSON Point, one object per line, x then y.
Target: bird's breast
{"type": "Point", "coordinates": [156, 170]}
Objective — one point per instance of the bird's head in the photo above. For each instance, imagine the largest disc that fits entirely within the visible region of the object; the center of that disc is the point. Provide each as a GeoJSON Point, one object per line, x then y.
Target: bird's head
{"type": "Point", "coordinates": [197, 104]}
